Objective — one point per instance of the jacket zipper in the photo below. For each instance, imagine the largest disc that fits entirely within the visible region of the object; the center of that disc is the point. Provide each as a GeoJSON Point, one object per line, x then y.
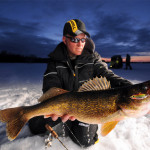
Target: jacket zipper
{"type": "Point", "coordinates": [76, 78]}
{"type": "Point", "coordinates": [75, 75]}
{"type": "Point", "coordinates": [71, 69]}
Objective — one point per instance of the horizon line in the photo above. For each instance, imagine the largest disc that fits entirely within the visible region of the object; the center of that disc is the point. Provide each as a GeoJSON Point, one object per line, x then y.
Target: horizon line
{"type": "Point", "coordinates": [133, 59]}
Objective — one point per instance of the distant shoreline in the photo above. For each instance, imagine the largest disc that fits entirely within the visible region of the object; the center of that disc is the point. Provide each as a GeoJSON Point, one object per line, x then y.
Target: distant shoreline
{"type": "Point", "coordinates": [46, 61]}
{"type": "Point", "coordinates": [6, 57]}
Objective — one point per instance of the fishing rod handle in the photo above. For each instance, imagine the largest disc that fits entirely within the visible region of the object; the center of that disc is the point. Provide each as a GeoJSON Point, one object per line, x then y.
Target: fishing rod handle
{"type": "Point", "coordinates": [54, 134]}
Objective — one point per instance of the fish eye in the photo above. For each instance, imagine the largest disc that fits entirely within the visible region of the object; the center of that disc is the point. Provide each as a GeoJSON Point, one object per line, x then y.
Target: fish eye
{"type": "Point", "coordinates": [132, 97]}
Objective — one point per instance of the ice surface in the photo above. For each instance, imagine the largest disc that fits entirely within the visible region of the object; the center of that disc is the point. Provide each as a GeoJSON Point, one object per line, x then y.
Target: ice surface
{"type": "Point", "coordinates": [21, 84]}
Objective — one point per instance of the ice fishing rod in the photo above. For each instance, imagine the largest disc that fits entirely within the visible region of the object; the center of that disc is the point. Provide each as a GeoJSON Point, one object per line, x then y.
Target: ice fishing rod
{"type": "Point", "coordinates": [55, 135]}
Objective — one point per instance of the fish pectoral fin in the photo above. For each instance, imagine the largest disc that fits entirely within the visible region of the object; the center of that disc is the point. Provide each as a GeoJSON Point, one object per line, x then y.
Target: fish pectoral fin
{"type": "Point", "coordinates": [107, 127]}
{"type": "Point", "coordinates": [52, 92]}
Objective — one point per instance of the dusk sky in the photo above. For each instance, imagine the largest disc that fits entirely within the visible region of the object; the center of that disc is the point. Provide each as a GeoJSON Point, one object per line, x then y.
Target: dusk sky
{"type": "Point", "coordinates": [35, 27]}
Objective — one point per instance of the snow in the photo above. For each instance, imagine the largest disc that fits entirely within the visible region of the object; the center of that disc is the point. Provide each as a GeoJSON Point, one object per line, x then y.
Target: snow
{"type": "Point", "coordinates": [21, 84]}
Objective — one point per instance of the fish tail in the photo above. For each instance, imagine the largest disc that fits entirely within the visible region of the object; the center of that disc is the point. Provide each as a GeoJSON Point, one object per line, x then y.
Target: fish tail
{"type": "Point", "coordinates": [15, 119]}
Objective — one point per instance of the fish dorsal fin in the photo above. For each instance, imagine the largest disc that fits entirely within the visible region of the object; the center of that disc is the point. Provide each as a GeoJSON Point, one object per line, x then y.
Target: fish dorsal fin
{"type": "Point", "coordinates": [107, 127]}
{"type": "Point", "coordinates": [52, 92]}
{"type": "Point", "coordinates": [95, 85]}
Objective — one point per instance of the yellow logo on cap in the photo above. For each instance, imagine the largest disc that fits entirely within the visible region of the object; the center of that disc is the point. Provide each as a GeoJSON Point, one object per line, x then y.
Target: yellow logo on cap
{"type": "Point", "coordinates": [73, 26]}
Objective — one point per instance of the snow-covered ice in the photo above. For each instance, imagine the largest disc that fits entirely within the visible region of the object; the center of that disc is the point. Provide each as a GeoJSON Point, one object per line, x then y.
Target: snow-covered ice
{"type": "Point", "coordinates": [21, 84]}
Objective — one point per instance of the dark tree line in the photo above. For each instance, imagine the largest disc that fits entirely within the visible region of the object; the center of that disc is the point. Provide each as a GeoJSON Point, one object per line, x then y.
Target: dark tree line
{"type": "Point", "coordinates": [16, 58]}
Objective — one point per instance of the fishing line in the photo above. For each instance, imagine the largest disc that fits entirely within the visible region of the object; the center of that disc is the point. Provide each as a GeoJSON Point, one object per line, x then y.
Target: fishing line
{"type": "Point", "coordinates": [73, 135]}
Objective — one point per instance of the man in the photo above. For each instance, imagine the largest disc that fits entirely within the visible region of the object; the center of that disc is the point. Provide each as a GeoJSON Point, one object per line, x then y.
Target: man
{"type": "Point", "coordinates": [73, 62]}
{"type": "Point", "coordinates": [128, 62]}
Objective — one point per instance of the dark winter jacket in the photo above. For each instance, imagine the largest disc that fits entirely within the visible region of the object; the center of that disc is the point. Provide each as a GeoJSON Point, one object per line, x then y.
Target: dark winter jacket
{"type": "Point", "coordinates": [71, 74]}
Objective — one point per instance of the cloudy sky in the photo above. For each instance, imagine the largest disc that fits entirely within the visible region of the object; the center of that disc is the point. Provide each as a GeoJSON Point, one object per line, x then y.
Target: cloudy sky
{"type": "Point", "coordinates": [34, 27]}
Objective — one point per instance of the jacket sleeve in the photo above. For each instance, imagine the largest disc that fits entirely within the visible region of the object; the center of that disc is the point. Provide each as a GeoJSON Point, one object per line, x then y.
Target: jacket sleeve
{"type": "Point", "coordinates": [50, 78]}
{"type": "Point", "coordinates": [101, 69]}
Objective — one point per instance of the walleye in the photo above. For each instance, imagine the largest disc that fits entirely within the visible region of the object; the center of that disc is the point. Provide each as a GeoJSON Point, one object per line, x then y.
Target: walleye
{"type": "Point", "coordinates": [95, 103]}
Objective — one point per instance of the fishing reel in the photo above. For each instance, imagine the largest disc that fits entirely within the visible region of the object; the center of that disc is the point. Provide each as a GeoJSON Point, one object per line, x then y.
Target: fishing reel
{"type": "Point", "coordinates": [48, 141]}
{"type": "Point", "coordinates": [52, 134]}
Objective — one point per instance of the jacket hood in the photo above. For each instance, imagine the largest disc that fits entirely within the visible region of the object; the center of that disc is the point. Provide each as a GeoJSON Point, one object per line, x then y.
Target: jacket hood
{"type": "Point", "coordinates": [60, 53]}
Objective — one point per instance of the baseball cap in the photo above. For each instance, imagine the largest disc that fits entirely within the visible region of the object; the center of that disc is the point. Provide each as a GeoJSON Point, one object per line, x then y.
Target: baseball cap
{"type": "Point", "coordinates": [75, 27]}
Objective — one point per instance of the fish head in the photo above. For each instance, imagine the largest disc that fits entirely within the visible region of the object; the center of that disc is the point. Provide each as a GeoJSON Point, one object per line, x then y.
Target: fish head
{"type": "Point", "coordinates": [137, 100]}
{"type": "Point", "coordinates": [139, 91]}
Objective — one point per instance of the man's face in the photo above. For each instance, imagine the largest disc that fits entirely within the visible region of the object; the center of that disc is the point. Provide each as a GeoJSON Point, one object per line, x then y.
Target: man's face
{"type": "Point", "coordinates": [74, 49]}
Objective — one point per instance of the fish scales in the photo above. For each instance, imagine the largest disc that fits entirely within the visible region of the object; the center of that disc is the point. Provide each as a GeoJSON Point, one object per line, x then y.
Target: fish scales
{"type": "Point", "coordinates": [83, 105]}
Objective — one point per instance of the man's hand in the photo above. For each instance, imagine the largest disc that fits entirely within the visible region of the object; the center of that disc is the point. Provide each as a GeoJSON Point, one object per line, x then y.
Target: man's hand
{"type": "Point", "coordinates": [64, 117]}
